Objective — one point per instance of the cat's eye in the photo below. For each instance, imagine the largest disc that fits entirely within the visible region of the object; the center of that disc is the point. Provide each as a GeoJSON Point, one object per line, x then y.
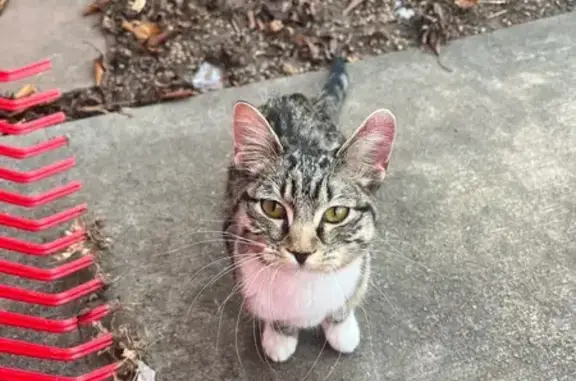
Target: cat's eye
{"type": "Point", "coordinates": [273, 209]}
{"type": "Point", "coordinates": [336, 214]}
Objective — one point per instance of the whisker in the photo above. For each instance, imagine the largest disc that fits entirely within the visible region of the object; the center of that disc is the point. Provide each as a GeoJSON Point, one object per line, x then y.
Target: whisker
{"type": "Point", "coordinates": [315, 361]}
{"type": "Point", "coordinates": [253, 279]}
{"type": "Point", "coordinates": [369, 326]}
{"type": "Point", "coordinates": [219, 276]}
{"type": "Point", "coordinates": [385, 297]}
{"type": "Point", "coordinates": [236, 333]}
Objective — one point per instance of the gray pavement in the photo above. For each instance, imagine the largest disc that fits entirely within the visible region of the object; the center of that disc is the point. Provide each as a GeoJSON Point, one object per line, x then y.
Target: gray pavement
{"type": "Point", "coordinates": [32, 30]}
{"type": "Point", "coordinates": [476, 276]}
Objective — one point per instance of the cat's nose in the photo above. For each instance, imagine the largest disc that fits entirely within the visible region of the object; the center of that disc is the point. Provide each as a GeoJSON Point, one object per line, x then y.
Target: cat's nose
{"type": "Point", "coordinates": [300, 257]}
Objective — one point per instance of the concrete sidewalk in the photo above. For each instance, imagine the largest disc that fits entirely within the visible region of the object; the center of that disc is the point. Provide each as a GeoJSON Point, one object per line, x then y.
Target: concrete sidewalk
{"type": "Point", "coordinates": [476, 279]}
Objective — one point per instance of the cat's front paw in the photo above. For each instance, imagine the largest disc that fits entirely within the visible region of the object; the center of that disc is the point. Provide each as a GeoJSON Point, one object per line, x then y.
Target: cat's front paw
{"type": "Point", "coordinates": [345, 336]}
{"type": "Point", "coordinates": [277, 346]}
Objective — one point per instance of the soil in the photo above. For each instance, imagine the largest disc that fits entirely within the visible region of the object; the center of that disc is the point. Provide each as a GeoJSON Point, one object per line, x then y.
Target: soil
{"type": "Point", "coordinates": [154, 53]}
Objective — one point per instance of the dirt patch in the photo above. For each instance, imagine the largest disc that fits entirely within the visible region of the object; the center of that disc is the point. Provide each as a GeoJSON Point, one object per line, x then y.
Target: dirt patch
{"type": "Point", "coordinates": [157, 46]}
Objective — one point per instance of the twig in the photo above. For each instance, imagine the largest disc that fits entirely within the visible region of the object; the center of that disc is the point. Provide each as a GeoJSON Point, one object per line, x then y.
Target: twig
{"type": "Point", "coordinates": [497, 14]}
{"type": "Point", "coordinates": [353, 4]}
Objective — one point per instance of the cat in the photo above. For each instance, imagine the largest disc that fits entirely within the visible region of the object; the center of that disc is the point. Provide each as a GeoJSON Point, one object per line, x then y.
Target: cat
{"type": "Point", "coordinates": [301, 213]}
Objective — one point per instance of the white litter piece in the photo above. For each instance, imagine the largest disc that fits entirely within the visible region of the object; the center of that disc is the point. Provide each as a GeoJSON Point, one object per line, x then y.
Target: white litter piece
{"type": "Point", "coordinates": [145, 373]}
{"type": "Point", "coordinates": [403, 13]}
{"type": "Point", "coordinates": [208, 77]}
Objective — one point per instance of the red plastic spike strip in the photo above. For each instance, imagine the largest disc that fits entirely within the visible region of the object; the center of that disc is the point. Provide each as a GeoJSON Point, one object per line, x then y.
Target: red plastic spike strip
{"type": "Point", "coordinates": [43, 223]}
{"type": "Point", "coordinates": [25, 71]}
{"type": "Point", "coordinates": [37, 174]}
{"type": "Point", "coordinates": [53, 326]}
{"type": "Point", "coordinates": [36, 323]}
{"type": "Point", "coordinates": [30, 101]}
{"type": "Point", "coordinates": [33, 125]}
{"type": "Point", "coordinates": [35, 150]}
{"type": "Point", "coordinates": [41, 199]}
{"type": "Point", "coordinates": [46, 275]}
{"type": "Point", "coordinates": [102, 374]}
{"type": "Point", "coordinates": [23, 348]}
{"type": "Point", "coordinates": [42, 249]}
{"type": "Point", "coordinates": [50, 300]}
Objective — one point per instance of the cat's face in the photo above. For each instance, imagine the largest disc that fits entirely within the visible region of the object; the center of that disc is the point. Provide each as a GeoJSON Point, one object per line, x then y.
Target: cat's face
{"type": "Point", "coordinates": [309, 217]}
{"type": "Point", "coordinates": [310, 212]}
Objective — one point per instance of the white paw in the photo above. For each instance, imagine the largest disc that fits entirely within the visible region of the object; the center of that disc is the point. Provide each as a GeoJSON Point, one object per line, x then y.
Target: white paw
{"type": "Point", "coordinates": [343, 337]}
{"type": "Point", "coordinates": [278, 347]}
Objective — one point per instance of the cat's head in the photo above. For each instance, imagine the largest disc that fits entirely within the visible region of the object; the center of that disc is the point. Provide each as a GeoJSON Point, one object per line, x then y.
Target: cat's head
{"type": "Point", "coordinates": [314, 209]}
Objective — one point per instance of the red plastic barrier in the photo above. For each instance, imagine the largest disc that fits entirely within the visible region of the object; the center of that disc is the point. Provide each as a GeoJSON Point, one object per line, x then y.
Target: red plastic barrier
{"type": "Point", "coordinates": [46, 275]}
{"type": "Point", "coordinates": [102, 374]}
{"type": "Point", "coordinates": [45, 352]}
{"type": "Point", "coordinates": [50, 300]}
{"type": "Point", "coordinates": [22, 348]}
{"type": "Point", "coordinates": [33, 125]}
{"type": "Point", "coordinates": [37, 174]}
{"type": "Point", "coordinates": [35, 150]}
{"type": "Point", "coordinates": [53, 326]}
{"type": "Point", "coordinates": [43, 223]}
{"type": "Point", "coordinates": [25, 71]}
{"type": "Point", "coordinates": [41, 199]}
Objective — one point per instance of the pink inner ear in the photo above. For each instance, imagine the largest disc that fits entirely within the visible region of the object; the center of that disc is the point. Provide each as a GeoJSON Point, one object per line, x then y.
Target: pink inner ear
{"type": "Point", "coordinates": [379, 131]}
{"type": "Point", "coordinates": [252, 134]}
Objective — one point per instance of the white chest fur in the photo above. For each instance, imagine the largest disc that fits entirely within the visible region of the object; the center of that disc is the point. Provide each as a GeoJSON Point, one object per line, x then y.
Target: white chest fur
{"type": "Point", "coordinates": [301, 299]}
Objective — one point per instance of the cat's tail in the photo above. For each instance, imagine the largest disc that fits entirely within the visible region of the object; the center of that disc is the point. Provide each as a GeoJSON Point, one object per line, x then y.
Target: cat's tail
{"type": "Point", "coordinates": [333, 94]}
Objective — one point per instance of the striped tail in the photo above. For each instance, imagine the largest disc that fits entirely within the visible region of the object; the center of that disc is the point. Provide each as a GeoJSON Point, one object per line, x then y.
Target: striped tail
{"type": "Point", "coordinates": [334, 91]}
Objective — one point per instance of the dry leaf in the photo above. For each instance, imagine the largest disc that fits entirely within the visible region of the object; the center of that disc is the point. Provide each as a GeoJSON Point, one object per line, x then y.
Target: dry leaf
{"type": "Point", "coordinates": [95, 6]}
{"type": "Point", "coordinates": [129, 354]}
{"type": "Point", "coordinates": [25, 91]}
{"type": "Point", "coordinates": [289, 69]}
{"type": "Point", "coordinates": [466, 4]}
{"type": "Point", "coordinates": [353, 58]}
{"type": "Point", "coordinates": [161, 38]}
{"type": "Point", "coordinates": [3, 4]}
{"type": "Point", "coordinates": [178, 94]}
{"type": "Point", "coordinates": [276, 26]}
{"type": "Point", "coordinates": [138, 5]}
{"type": "Point", "coordinates": [143, 30]}
{"type": "Point", "coordinates": [99, 70]}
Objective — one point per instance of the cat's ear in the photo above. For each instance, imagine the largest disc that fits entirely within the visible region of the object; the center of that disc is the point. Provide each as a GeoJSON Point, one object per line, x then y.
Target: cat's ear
{"type": "Point", "coordinates": [255, 143]}
{"type": "Point", "coordinates": [366, 153]}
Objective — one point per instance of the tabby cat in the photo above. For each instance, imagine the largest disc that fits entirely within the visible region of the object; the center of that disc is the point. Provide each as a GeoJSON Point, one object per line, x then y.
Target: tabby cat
{"type": "Point", "coordinates": [301, 213]}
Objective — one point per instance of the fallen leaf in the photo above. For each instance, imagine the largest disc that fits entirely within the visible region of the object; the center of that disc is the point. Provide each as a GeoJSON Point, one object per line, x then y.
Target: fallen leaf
{"type": "Point", "coordinates": [3, 4]}
{"type": "Point", "coordinates": [161, 38]}
{"type": "Point", "coordinates": [353, 58]}
{"type": "Point", "coordinates": [95, 6]}
{"type": "Point", "coordinates": [466, 4]}
{"type": "Point", "coordinates": [93, 109]}
{"type": "Point", "coordinates": [138, 5]}
{"type": "Point", "coordinates": [302, 40]}
{"type": "Point", "coordinates": [289, 69]}
{"type": "Point", "coordinates": [142, 30]}
{"type": "Point", "coordinates": [99, 70]}
{"type": "Point", "coordinates": [25, 91]}
{"type": "Point", "coordinates": [276, 26]}
{"type": "Point", "coordinates": [130, 354]}
{"type": "Point", "coordinates": [178, 94]}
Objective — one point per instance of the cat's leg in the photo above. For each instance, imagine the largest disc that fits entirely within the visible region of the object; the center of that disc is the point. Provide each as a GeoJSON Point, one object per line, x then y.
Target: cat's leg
{"type": "Point", "coordinates": [279, 341]}
{"type": "Point", "coordinates": [342, 330]}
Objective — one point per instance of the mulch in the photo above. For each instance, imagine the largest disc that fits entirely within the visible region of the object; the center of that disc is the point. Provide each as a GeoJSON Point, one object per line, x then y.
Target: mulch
{"type": "Point", "coordinates": [156, 46]}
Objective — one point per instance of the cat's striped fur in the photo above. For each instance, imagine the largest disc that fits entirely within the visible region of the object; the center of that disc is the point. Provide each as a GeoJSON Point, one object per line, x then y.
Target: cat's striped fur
{"type": "Point", "coordinates": [299, 271]}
